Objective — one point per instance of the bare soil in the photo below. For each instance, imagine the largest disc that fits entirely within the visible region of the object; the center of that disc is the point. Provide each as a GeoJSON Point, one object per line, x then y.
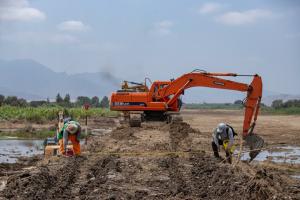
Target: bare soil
{"type": "Point", "coordinates": [275, 129]}
{"type": "Point", "coordinates": [156, 161]}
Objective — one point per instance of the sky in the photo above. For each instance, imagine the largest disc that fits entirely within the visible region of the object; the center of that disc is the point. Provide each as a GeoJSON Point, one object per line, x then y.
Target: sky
{"type": "Point", "coordinates": [133, 39]}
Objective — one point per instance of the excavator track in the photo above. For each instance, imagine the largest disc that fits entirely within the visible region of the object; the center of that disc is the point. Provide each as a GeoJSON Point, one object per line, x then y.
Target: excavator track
{"type": "Point", "coordinates": [173, 117]}
{"type": "Point", "coordinates": [135, 120]}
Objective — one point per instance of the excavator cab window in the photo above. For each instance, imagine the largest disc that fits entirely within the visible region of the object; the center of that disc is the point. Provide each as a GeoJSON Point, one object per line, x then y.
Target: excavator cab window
{"type": "Point", "coordinates": [163, 86]}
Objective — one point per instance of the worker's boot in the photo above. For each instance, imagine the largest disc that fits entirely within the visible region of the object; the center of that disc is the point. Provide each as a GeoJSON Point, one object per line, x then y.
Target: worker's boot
{"type": "Point", "coordinates": [215, 150]}
{"type": "Point", "coordinates": [228, 157]}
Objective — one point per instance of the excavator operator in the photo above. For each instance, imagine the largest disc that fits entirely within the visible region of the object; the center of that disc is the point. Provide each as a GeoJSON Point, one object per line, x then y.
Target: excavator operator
{"type": "Point", "coordinates": [223, 135]}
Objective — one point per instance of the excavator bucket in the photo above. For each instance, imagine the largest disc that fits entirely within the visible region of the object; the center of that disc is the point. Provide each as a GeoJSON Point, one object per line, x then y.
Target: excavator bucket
{"type": "Point", "coordinates": [255, 143]}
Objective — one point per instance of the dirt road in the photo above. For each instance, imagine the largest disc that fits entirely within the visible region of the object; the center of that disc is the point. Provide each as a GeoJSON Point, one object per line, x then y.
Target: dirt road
{"type": "Point", "coordinates": [156, 161]}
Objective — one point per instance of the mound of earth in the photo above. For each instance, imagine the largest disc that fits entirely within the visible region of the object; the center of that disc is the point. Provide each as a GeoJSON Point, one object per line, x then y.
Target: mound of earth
{"type": "Point", "coordinates": [124, 133]}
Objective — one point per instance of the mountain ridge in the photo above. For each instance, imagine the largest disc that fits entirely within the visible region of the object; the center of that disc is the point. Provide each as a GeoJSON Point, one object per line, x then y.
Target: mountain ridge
{"type": "Point", "coordinates": [31, 80]}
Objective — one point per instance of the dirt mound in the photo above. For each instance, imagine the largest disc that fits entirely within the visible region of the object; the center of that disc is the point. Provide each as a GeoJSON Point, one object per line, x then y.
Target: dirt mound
{"type": "Point", "coordinates": [29, 185]}
{"type": "Point", "coordinates": [214, 181]}
{"type": "Point", "coordinates": [44, 183]}
{"type": "Point", "coordinates": [124, 133]}
{"type": "Point", "coordinates": [104, 122]}
{"type": "Point", "coordinates": [179, 131]}
{"type": "Point", "coordinates": [11, 168]}
{"type": "Point", "coordinates": [97, 177]}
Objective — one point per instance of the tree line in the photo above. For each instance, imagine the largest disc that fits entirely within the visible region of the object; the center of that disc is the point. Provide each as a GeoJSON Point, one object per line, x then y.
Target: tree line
{"type": "Point", "coordinates": [59, 101]}
{"type": "Point", "coordinates": [279, 103]}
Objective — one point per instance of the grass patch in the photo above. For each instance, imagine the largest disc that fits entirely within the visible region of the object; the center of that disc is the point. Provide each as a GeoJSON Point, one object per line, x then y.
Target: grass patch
{"type": "Point", "coordinates": [43, 114]}
{"type": "Point", "coordinates": [281, 111]}
{"type": "Point", "coordinates": [228, 106]}
{"type": "Point", "coordinates": [40, 134]}
{"type": "Point", "coordinates": [225, 106]}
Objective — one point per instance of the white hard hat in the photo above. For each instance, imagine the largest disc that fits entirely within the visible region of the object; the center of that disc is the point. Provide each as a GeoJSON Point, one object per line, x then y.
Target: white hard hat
{"type": "Point", "coordinates": [72, 128]}
{"type": "Point", "coordinates": [221, 127]}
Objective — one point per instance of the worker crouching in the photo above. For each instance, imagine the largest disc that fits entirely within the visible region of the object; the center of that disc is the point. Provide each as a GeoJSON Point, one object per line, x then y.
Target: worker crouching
{"type": "Point", "coordinates": [223, 135]}
{"type": "Point", "coordinates": [70, 131]}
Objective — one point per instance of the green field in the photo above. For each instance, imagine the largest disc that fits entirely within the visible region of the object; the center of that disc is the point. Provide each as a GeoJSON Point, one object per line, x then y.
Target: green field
{"type": "Point", "coordinates": [35, 134]}
{"type": "Point", "coordinates": [44, 114]}
{"type": "Point", "coordinates": [281, 111]}
{"type": "Point", "coordinates": [21, 134]}
{"type": "Point", "coordinates": [228, 106]}
{"type": "Point", "coordinates": [213, 106]}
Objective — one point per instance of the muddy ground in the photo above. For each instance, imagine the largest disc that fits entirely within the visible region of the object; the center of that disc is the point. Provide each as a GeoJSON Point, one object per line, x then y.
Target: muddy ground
{"type": "Point", "coordinates": [156, 161]}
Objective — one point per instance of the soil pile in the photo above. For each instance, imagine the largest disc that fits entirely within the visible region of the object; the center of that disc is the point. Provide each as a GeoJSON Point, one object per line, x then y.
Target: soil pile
{"type": "Point", "coordinates": [104, 122]}
{"type": "Point", "coordinates": [44, 182]}
{"type": "Point", "coordinates": [124, 133]}
{"type": "Point", "coordinates": [12, 168]}
{"type": "Point", "coordinates": [179, 131]}
{"type": "Point", "coordinates": [212, 180]}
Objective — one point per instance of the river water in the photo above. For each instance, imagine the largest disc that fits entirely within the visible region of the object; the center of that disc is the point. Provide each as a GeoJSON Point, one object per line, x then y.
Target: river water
{"type": "Point", "coordinates": [11, 149]}
{"type": "Point", "coordinates": [283, 154]}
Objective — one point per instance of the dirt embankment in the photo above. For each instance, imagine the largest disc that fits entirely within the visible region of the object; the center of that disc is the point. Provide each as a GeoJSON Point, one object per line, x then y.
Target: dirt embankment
{"type": "Point", "coordinates": [125, 174]}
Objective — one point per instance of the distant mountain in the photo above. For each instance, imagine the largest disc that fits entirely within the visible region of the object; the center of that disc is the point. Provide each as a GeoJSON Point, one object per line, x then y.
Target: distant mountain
{"type": "Point", "coordinates": [32, 80]}
{"type": "Point", "coordinates": [9, 92]}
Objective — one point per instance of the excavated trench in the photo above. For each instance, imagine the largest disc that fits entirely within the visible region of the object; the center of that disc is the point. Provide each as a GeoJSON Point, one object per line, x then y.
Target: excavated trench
{"type": "Point", "coordinates": [192, 175]}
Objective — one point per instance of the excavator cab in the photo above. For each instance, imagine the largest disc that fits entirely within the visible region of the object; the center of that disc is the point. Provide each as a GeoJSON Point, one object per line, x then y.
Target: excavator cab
{"type": "Point", "coordinates": [156, 89]}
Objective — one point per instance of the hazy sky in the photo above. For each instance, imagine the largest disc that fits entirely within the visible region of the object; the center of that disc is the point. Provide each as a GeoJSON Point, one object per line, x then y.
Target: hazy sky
{"type": "Point", "coordinates": [160, 39]}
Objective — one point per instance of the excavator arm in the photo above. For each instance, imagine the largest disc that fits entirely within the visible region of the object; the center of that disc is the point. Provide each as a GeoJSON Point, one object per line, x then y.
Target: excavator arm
{"type": "Point", "coordinates": [212, 80]}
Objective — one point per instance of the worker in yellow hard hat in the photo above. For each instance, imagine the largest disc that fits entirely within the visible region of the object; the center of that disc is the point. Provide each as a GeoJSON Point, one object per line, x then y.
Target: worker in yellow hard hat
{"type": "Point", "coordinates": [223, 135]}
{"type": "Point", "coordinates": [70, 131]}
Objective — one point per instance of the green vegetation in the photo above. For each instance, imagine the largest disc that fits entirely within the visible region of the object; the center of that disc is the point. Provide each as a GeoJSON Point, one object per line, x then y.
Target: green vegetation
{"type": "Point", "coordinates": [281, 111]}
{"type": "Point", "coordinates": [290, 107]}
{"type": "Point", "coordinates": [45, 113]}
{"type": "Point", "coordinates": [59, 101]}
{"type": "Point", "coordinates": [33, 134]}
{"type": "Point", "coordinates": [21, 134]}
{"type": "Point", "coordinates": [229, 106]}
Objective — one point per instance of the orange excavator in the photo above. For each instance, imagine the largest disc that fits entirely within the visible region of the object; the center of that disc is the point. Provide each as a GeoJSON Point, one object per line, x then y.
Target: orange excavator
{"type": "Point", "coordinates": [162, 100]}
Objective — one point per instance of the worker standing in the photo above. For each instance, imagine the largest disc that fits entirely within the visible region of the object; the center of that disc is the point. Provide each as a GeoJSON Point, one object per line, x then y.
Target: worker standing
{"type": "Point", "coordinates": [70, 131]}
{"type": "Point", "coordinates": [223, 135]}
